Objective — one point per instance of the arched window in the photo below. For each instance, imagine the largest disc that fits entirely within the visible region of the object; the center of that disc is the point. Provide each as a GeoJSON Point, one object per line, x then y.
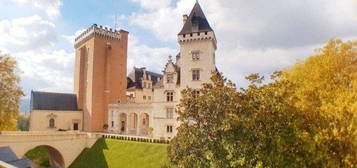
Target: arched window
{"type": "Point", "coordinates": [51, 123]}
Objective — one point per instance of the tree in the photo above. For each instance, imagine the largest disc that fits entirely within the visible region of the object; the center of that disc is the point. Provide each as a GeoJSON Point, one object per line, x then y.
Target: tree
{"type": "Point", "coordinates": [10, 92]}
{"type": "Point", "coordinates": [305, 117]}
{"type": "Point", "coordinates": [223, 127]}
{"type": "Point", "coordinates": [326, 87]}
{"type": "Point", "coordinates": [23, 122]}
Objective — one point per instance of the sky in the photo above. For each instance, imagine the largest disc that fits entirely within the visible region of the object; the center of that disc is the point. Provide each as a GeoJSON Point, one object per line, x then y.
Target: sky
{"type": "Point", "coordinates": [256, 36]}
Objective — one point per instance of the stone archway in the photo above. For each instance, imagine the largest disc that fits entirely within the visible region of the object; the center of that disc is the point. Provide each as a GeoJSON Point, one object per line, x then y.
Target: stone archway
{"type": "Point", "coordinates": [144, 124]}
{"type": "Point", "coordinates": [123, 123]}
{"type": "Point", "coordinates": [56, 159]}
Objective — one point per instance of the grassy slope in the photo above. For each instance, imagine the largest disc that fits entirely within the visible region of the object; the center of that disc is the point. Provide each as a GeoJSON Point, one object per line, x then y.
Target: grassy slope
{"type": "Point", "coordinates": [122, 154]}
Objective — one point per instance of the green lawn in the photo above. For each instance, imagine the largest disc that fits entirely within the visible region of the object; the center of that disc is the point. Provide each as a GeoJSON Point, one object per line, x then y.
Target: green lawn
{"type": "Point", "coordinates": [113, 153]}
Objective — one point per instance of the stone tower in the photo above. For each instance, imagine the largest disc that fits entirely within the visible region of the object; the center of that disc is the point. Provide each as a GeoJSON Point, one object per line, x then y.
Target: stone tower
{"type": "Point", "coordinates": [100, 73]}
{"type": "Point", "coordinates": [197, 49]}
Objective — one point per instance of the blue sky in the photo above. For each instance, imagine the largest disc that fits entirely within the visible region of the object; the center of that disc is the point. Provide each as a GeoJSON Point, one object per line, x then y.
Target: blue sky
{"type": "Point", "coordinates": [253, 36]}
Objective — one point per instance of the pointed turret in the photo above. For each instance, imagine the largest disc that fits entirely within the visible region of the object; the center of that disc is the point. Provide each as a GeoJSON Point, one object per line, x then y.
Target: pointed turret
{"type": "Point", "coordinates": [195, 22]}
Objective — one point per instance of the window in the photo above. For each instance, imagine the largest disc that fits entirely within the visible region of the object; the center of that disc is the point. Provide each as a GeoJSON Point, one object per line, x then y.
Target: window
{"type": "Point", "coordinates": [170, 113]}
{"type": "Point", "coordinates": [196, 93]}
{"type": "Point", "coordinates": [51, 123]}
{"type": "Point", "coordinates": [112, 123]}
{"type": "Point", "coordinates": [144, 97]}
{"type": "Point", "coordinates": [169, 128]}
{"type": "Point", "coordinates": [169, 96]}
{"type": "Point", "coordinates": [195, 55]}
{"type": "Point", "coordinates": [135, 120]}
{"type": "Point", "coordinates": [195, 74]}
{"type": "Point", "coordinates": [214, 58]}
{"type": "Point", "coordinates": [149, 85]}
{"type": "Point", "coordinates": [149, 97]}
{"type": "Point", "coordinates": [170, 78]}
{"type": "Point", "coordinates": [144, 84]}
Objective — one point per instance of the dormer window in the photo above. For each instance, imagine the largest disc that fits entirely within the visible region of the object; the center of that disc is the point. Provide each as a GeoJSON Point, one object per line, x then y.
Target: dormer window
{"type": "Point", "coordinates": [170, 78]}
{"type": "Point", "coordinates": [195, 55]}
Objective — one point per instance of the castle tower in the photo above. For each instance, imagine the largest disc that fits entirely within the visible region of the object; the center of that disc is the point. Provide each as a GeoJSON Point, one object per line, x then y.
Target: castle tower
{"type": "Point", "coordinates": [100, 73]}
{"type": "Point", "coordinates": [197, 49]}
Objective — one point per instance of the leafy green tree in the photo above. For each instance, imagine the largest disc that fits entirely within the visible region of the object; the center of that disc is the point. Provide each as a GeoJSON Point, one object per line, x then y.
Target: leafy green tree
{"type": "Point", "coordinates": [10, 92]}
{"type": "Point", "coordinates": [305, 117]}
{"type": "Point", "coordinates": [23, 122]}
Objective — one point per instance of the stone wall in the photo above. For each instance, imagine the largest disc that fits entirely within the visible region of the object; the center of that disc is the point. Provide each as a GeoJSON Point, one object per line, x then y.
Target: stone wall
{"type": "Point", "coordinates": [39, 120]}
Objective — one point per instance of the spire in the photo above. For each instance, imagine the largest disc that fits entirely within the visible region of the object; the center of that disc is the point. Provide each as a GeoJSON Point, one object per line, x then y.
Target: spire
{"type": "Point", "coordinates": [196, 21]}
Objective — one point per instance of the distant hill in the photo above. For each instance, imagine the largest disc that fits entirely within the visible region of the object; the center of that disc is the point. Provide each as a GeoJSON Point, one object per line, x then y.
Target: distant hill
{"type": "Point", "coordinates": [25, 106]}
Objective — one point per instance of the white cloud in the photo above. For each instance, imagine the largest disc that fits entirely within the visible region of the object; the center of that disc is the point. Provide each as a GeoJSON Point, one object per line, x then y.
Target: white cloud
{"type": "Point", "coordinates": [53, 68]}
{"type": "Point", "coordinates": [70, 38]}
{"type": "Point", "coordinates": [27, 33]}
{"type": "Point", "coordinates": [32, 41]}
{"type": "Point", "coordinates": [51, 7]}
{"type": "Point", "coordinates": [259, 36]}
{"type": "Point", "coordinates": [140, 55]}
{"type": "Point", "coordinates": [150, 4]}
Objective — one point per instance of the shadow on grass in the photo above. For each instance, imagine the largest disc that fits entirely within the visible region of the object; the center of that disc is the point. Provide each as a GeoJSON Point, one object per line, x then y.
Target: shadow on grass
{"type": "Point", "coordinates": [93, 157]}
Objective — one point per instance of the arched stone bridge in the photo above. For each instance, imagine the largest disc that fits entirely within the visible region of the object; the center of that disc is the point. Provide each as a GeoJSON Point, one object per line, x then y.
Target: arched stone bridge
{"type": "Point", "coordinates": [63, 147]}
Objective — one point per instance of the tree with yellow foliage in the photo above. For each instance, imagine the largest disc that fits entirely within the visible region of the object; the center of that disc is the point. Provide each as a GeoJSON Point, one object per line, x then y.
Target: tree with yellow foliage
{"type": "Point", "coordinates": [10, 92]}
{"type": "Point", "coordinates": [326, 88]}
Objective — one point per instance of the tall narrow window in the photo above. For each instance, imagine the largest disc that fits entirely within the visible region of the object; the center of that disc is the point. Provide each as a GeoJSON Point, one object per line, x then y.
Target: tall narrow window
{"type": "Point", "coordinates": [214, 58]}
{"type": "Point", "coordinates": [195, 55]}
{"type": "Point", "coordinates": [170, 113]}
{"type": "Point", "coordinates": [196, 74]}
{"type": "Point", "coordinates": [169, 128]}
{"type": "Point", "coordinates": [170, 78]}
{"type": "Point", "coordinates": [169, 96]}
{"type": "Point", "coordinates": [51, 123]}
{"type": "Point", "coordinates": [135, 120]}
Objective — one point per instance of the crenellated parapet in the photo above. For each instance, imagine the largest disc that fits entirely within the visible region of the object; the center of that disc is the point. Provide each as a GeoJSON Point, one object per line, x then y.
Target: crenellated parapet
{"type": "Point", "coordinates": [98, 31]}
{"type": "Point", "coordinates": [189, 37]}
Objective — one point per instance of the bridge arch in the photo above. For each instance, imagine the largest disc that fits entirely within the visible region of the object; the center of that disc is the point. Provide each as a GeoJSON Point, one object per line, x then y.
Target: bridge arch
{"type": "Point", "coordinates": [56, 158]}
{"type": "Point", "coordinates": [63, 147]}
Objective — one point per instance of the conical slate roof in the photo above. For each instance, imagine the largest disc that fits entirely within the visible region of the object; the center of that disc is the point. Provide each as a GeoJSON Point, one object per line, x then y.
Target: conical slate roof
{"type": "Point", "coordinates": [196, 18]}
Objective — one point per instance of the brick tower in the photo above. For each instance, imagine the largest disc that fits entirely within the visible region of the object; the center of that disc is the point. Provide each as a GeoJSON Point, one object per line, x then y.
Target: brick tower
{"type": "Point", "coordinates": [100, 73]}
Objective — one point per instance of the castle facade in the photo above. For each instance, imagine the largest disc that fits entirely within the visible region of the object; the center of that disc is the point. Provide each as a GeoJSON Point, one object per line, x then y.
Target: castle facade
{"type": "Point", "coordinates": [142, 103]}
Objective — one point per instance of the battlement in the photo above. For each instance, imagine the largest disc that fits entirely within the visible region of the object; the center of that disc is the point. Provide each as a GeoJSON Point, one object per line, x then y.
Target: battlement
{"type": "Point", "coordinates": [98, 31]}
{"type": "Point", "coordinates": [197, 36]}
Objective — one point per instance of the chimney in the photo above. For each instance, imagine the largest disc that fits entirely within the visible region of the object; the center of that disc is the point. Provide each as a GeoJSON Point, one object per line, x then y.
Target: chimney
{"type": "Point", "coordinates": [185, 17]}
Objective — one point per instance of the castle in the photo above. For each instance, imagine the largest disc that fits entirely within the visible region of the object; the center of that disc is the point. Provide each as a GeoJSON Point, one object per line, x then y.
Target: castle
{"type": "Point", "coordinates": [142, 103]}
